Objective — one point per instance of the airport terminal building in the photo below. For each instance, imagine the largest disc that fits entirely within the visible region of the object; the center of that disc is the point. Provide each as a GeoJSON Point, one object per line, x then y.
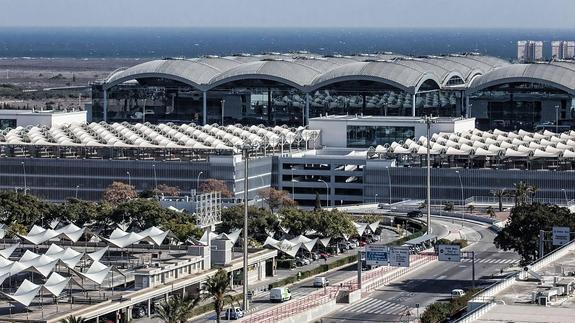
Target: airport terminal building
{"type": "Point", "coordinates": [345, 127]}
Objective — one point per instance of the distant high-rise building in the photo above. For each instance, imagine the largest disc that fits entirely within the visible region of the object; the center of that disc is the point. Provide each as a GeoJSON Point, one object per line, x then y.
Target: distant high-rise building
{"type": "Point", "coordinates": [529, 50]}
{"type": "Point", "coordinates": [562, 49]}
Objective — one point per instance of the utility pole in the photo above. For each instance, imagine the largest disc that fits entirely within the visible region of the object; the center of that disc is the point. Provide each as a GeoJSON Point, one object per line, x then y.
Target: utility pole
{"type": "Point", "coordinates": [246, 151]}
{"type": "Point", "coordinates": [428, 121]}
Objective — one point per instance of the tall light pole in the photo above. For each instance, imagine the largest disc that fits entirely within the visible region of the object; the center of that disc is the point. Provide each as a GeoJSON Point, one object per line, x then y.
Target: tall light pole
{"type": "Point", "coordinates": [129, 178]}
{"type": "Point", "coordinates": [557, 119]}
{"type": "Point", "coordinates": [376, 195]}
{"type": "Point", "coordinates": [566, 199]}
{"type": "Point", "coordinates": [198, 181]}
{"type": "Point", "coordinates": [246, 152]}
{"type": "Point", "coordinates": [77, 187]}
{"type": "Point", "coordinates": [223, 102]}
{"type": "Point", "coordinates": [326, 192]}
{"type": "Point", "coordinates": [461, 185]}
{"type": "Point", "coordinates": [155, 177]}
{"type": "Point", "coordinates": [24, 172]}
{"type": "Point", "coordinates": [428, 121]}
{"type": "Point", "coordinates": [389, 183]}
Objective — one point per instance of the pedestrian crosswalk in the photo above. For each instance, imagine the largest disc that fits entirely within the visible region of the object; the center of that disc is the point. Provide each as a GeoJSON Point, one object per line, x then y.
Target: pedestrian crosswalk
{"type": "Point", "coordinates": [491, 261]}
{"type": "Point", "coordinates": [377, 306]}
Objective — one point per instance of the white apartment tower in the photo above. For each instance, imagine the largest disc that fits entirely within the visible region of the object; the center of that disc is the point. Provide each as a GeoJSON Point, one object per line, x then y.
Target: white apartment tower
{"type": "Point", "coordinates": [529, 51]}
{"type": "Point", "coordinates": [563, 49]}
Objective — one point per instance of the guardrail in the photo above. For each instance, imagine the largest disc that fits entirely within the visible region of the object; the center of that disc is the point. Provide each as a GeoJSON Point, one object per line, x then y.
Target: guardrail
{"type": "Point", "coordinates": [370, 281]}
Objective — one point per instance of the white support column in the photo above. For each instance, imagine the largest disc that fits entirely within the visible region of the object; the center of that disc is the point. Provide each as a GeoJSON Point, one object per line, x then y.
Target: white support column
{"type": "Point", "coordinates": [413, 105]}
{"type": "Point", "coordinates": [205, 107]}
{"type": "Point", "coordinates": [105, 112]}
{"type": "Point", "coordinates": [467, 108]}
{"type": "Point", "coordinates": [306, 119]}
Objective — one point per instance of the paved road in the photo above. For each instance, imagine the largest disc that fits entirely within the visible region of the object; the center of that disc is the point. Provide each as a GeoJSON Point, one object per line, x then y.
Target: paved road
{"type": "Point", "coordinates": [261, 301]}
{"type": "Point", "coordinates": [392, 303]}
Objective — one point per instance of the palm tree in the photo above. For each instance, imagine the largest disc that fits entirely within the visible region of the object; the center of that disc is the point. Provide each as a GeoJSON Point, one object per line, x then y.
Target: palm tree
{"type": "Point", "coordinates": [217, 287]}
{"type": "Point", "coordinates": [524, 192]}
{"type": "Point", "coordinates": [177, 309]}
{"type": "Point", "coordinates": [500, 194]}
{"type": "Point", "coordinates": [471, 207]}
{"type": "Point", "coordinates": [73, 319]}
{"type": "Point", "coordinates": [490, 211]}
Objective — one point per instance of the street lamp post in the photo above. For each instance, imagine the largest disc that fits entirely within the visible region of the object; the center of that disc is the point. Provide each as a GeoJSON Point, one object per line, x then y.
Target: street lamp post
{"type": "Point", "coordinates": [223, 102]}
{"type": "Point", "coordinates": [376, 195]}
{"type": "Point", "coordinates": [557, 119]}
{"type": "Point", "coordinates": [77, 187]}
{"type": "Point", "coordinates": [198, 180]}
{"type": "Point", "coordinates": [292, 184]}
{"type": "Point", "coordinates": [326, 192]}
{"type": "Point", "coordinates": [129, 178]}
{"type": "Point", "coordinates": [389, 183]}
{"type": "Point", "coordinates": [428, 121]}
{"type": "Point", "coordinates": [462, 198]}
{"type": "Point", "coordinates": [155, 177]}
{"type": "Point", "coordinates": [566, 199]}
{"type": "Point", "coordinates": [24, 172]}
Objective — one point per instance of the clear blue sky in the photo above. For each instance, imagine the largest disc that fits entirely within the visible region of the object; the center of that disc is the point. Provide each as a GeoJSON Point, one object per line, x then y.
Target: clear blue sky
{"type": "Point", "coordinates": [290, 13]}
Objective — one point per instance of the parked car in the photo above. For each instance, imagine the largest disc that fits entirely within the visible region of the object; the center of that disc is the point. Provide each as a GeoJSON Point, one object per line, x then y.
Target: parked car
{"type": "Point", "coordinates": [362, 243]}
{"type": "Point", "coordinates": [234, 313]}
{"type": "Point", "coordinates": [415, 214]}
{"type": "Point", "coordinates": [315, 256]}
{"type": "Point", "coordinates": [320, 281]}
{"type": "Point", "coordinates": [457, 293]}
{"type": "Point", "coordinates": [280, 294]}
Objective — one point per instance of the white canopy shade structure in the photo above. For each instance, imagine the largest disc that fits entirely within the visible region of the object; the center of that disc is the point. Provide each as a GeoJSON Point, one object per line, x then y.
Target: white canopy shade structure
{"type": "Point", "coordinates": [68, 256]}
{"type": "Point", "coordinates": [8, 251]}
{"type": "Point", "coordinates": [40, 264]}
{"type": "Point", "coordinates": [233, 236]}
{"type": "Point", "coordinates": [284, 246]}
{"type": "Point", "coordinates": [96, 273]}
{"type": "Point", "coordinates": [154, 235]}
{"type": "Point", "coordinates": [71, 232]}
{"type": "Point", "coordinates": [305, 242]}
{"type": "Point", "coordinates": [98, 254]}
{"type": "Point", "coordinates": [55, 284]}
{"type": "Point", "coordinates": [25, 293]}
{"type": "Point", "coordinates": [2, 230]}
{"type": "Point", "coordinates": [360, 227]}
{"type": "Point", "coordinates": [325, 241]}
{"type": "Point", "coordinates": [123, 239]}
{"type": "Point", "coordinates": [38, 235]}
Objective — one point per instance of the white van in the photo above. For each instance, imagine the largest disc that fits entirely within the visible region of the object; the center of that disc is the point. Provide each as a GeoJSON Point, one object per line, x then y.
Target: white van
{"type": "Point", "coordinates": [320, 281]}
{"type": "Point", "coordinates": [280, 294]}
{"type": "Point", "coordinates": [457, 293]}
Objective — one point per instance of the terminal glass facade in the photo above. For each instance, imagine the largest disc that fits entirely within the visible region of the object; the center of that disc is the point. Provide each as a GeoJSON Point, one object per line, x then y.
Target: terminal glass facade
{"type": "Point", "coordinates": [527, 106]}
{"type": "Point", "coordinates": [366, 136]}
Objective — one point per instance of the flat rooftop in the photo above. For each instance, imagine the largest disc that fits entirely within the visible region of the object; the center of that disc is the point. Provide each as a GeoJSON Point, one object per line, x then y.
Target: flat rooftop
{"type": "Point", "coordinates": [370, 118]}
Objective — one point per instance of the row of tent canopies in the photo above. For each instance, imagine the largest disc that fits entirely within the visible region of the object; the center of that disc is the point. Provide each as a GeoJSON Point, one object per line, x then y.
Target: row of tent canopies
{"type": "Point", "coordinates": [44, 264]}
{"type": "Point", "coordinates": [493, 143]}
{"type": "Point", "coordinates": [146, 135]}
{"type": "Point", "coordinates": [292, 246]}
{"type": "Point", "coordinates": [27, 290]}
{"type": "Point", "coordinates": [118, 238]}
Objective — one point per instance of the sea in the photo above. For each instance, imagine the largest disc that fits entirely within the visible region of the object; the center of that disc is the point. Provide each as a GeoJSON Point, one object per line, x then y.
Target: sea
{"type": "Point", "coordinates": [194, 42]}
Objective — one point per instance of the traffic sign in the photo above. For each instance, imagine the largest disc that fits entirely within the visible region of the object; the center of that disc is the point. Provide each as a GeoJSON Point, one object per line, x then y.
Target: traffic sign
{"type": "Point", "coordinates": [561, 235]}
{"type": "Point", "coordinates": [399, 256]}
{"type": "Point", "coordinates": [448, 252]}
{"type": "Point", "coordinates": [376, 254]}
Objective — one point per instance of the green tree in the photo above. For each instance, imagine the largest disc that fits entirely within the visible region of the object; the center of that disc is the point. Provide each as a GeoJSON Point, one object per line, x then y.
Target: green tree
{"type": "Point", "coordinates": [500, 194]}
{"type": "Point", "coordinates": [332, 223]}
{"type": "Point", "coordinates": [317, 205]}
{"type": "Point", "coordinates": [276, 199]}
{"type": "Point", "coordinates": [177, 309]}
{"type": "Point", "coordinates": [73, 319]}
{"type": "Point", "coordinates": [259, 221]}
{"type": "Point", "coordinates": [218, 288]}
{"type": "Point", "coordinates": [82, 212]}
{"type": "Point", "coordinates": [23, 209]}
{"type": "Point", "coordinates": [524, 193]}
{"type": "Point", "coordinates": [448, 207]}
{"type": "Point", "coordinates": [521, 233]}
{"type": "Point", "coordinates": [119, 192]}
{"type": "Point", "coordinates": [166, 190]}
{"type": "Point", "coordinates": [471, 208]}
{"type": "Point", "coordinates": [296, 220]}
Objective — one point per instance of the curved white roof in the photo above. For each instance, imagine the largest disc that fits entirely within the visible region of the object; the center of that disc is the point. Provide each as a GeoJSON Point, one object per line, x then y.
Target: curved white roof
{"type": "Point", "coordinates": [308, 72]}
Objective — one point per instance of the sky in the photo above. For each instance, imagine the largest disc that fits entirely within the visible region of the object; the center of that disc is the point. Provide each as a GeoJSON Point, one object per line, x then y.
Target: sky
{"type": "Point", "coordinates": [290, 13]}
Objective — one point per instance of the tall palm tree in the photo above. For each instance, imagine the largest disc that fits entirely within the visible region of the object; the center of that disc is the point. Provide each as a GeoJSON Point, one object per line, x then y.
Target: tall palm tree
{"type": "Point", "coordinates": [524, 193]}
{"type": "Point", "coordinates": [177, 309]}
{"type": "Point", "coordinates": [500, 194]}
{"type": "Point", "coordinates": [217, 287]}
{"type": "Point", "coordinates": [73, 319]}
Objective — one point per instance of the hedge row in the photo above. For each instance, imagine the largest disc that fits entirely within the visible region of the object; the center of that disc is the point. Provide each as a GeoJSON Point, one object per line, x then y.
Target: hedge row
{"type": "Point", "coordinates": [315, 271]}
{"type": "Point", "coordinates": [441, 311]}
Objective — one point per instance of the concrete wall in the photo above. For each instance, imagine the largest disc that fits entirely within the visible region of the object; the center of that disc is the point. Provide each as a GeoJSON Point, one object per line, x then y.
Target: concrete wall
{"type": "Point", "coordinates": [312, 314]}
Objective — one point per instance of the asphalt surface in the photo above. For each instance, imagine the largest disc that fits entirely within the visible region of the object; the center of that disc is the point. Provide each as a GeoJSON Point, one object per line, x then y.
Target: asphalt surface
{"type": "Point", "coordinates": [397, 302]}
